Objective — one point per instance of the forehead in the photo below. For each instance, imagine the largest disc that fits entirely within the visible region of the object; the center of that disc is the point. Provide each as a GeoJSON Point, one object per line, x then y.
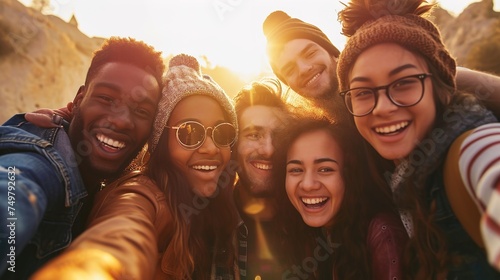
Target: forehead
{"type": "Point", "coordinates": [126, 75]}
{"type": "Point", "coordinates": [197, 107]}
{"type": "Point", "coordinates": [293, 49]}
{"type": "Point", "coordinates": [127, 79]}
{"type": "Point", "coordinates": [262, 116]}
{"type": "Point", "coordinates": [316, 144]}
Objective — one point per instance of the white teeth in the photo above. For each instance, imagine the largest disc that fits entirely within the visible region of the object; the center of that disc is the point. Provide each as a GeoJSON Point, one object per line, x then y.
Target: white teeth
{"type": "Point", "coordinates": [312, 79]}
{"type": "Point", "coordinates": [263, 166]}
{"type": "Point", "coordinates": [391, 128]}
{"type": "Point", "coordinates": [204, 167]}
{"type": "Point", "coordinates": [110, 142]}
{"type": "Point", "coordinates": [315, 200]}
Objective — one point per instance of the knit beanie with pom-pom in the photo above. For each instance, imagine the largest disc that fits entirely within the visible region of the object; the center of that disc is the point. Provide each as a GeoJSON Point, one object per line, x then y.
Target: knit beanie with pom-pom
{"type": "Point", "coordinates": [402, 24]}
{"type": "Point", "coordinates": [183, 79]}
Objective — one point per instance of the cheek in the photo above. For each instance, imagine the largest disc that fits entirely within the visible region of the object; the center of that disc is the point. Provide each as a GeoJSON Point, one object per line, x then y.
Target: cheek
{"type": "Point", "coordinates": [178, 155]}
{"type": "Point", "coordinates": [290, 186]}
{"type": "Point", "coordinates": [362, 125]}
{"type": "Point", "coordinates": [243, 148]}
{"type": "Point", "coordinates": [226, 155]}
{"type": "Point", "coordinates": [337, 189]}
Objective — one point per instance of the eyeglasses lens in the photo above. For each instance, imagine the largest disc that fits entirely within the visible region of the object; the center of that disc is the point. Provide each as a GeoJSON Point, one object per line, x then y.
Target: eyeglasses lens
{"type": "Point", "coordinates": [224, 134]}
{"type": "Point", "coordinates": [191, 134]}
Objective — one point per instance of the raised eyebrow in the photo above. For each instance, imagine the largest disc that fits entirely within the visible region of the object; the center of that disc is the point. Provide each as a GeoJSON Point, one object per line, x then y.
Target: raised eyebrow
{"type": "Point", "coordinates": [294, 161]}
{"type": "Point", "coordinates": [393, 72]}
{"type": "Point", "coordinates": [321, 160]}
{"type": "Point", "coordinates": [252, 127]}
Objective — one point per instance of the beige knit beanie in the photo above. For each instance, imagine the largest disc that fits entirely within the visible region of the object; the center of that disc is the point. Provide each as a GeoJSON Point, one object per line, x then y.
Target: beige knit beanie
{"type": "Point", "coordinates": [183, 79]}
{"type": "Point", "coordinates": [402, 25]}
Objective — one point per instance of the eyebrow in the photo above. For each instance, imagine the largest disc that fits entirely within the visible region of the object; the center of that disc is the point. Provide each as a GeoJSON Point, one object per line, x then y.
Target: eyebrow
{"type": "Point", "coordinates": [316, 161]}
{"type": "Point", "coordinates": [391, 73]}
{"type": "Point", "coordinates": [301, 53]}
{"type": "Point", "coordinates": [117, 89]}
{"type": "Point", "coordinates": [252, 127]}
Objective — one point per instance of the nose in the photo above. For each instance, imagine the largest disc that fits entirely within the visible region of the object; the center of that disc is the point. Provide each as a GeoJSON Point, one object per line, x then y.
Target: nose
{"type": "Point", "coordinates": [208, 146]}
{"type": "Point", "coordinates": [120, 118]}
{"type": "Point", "coordinates": [384, 104]}
{"type": "Point", "coordinates": [309, 182]}
{"type": "Point", "coordinates": [266, 147]}
{"type": "Point", "coordinates": [304, 67]}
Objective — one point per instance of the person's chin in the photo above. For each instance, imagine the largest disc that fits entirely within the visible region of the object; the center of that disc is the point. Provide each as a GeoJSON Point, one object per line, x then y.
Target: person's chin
{"type": "Point", "coordinates": [208, 189]}
{"type": "Point", "coordinates": [106, 169]}
{"type": "Point", "coordinates": [260, 189]}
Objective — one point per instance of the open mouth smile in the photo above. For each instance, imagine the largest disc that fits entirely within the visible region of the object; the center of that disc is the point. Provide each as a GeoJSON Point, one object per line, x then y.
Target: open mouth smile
{"type": "Point", "coordinates": [313, 79]}
{"type": "Point", "coordinates": [314, 202]}
{"type": "Point", "coordinates": [263, 166]}
{"type": "Point", "coordinates": [110, 143]}
{"type": "Point", "coordinates": [204, 167]}
{"type": "Point", "coordinates": [385, 130]}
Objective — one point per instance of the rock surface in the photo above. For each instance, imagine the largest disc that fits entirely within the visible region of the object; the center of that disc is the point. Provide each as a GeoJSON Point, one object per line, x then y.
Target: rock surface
{"type": "Point", "coordinates": [43, 59]}
{"type": "Point", "coordinates": [476, 23]}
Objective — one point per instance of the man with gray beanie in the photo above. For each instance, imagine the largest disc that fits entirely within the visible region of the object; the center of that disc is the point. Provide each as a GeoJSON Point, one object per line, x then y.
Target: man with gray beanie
{"type": "Point", "coordinates": [304, 59]}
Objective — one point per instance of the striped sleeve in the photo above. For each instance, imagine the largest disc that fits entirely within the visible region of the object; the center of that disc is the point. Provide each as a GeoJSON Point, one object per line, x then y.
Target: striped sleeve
{"type": "Point", "coordinates": [480, 170]}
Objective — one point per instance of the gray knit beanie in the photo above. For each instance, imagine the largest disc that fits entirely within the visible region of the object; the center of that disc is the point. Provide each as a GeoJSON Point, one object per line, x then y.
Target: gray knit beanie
{"type": "Point", "coordinates": [183, 79]}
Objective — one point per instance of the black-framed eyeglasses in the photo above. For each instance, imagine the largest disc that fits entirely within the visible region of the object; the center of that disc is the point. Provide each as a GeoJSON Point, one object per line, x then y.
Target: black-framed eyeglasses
{"type": "Point", "coordinates": [403, 92]}
{"type": "Point", "coordinates": [191, 134]}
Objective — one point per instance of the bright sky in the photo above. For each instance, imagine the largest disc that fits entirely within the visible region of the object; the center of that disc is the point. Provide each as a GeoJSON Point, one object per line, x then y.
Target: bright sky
{"type": "Point", "coordinates": [228, 32]}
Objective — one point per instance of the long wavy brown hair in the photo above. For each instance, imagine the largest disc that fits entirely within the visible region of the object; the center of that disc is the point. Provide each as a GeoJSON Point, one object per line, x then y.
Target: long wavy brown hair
{"type": "Point", "coordinates": [203, 228]}
{"type": "Point", "coordinates": [427, 255]}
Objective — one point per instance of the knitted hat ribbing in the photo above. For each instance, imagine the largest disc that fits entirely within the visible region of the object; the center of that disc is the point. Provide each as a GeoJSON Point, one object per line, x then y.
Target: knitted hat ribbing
{"type": "Point", "coordinates": [183, 79]}
{"type": "Point", "coordinates": [410, 31]}
{"type": "Point", "coordinates": [279, 28]}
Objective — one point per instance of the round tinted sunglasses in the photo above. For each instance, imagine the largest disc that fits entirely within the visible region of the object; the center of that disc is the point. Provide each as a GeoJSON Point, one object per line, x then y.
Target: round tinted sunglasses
{"type": "Point", "coordinates": [191, 134]}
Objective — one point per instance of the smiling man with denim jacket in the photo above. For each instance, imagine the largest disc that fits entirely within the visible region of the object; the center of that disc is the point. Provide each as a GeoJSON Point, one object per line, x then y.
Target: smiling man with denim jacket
{"type": "Point", "coordinates": [48, 176]}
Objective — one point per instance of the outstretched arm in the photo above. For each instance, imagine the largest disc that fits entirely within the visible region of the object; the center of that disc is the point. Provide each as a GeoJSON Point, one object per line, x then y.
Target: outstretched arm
{"type": "Point", "coordinates": [480, 169]}
{"type": "Point", "coordinates": [121, 242]}
{"type": "Point", "coordinates": [28, 184]}
{"type": "Point", "coordinates": [485, 86]}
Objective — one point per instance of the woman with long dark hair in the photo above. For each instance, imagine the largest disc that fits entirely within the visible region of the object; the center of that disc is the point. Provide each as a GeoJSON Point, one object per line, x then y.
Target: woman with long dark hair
{"type": "Point", "coordinates": [398, 82]}
{"type": "Point", "coordinates": [175, 218]}
{"type": "Point", "coordinates": [328, 202]}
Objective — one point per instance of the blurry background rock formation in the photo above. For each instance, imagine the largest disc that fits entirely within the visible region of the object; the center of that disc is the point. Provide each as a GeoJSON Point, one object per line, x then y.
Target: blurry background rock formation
{"type": "Point", "coordinates": [43, 59]}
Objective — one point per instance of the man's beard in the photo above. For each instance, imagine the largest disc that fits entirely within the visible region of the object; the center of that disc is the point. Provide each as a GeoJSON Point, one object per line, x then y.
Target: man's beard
{"type": "Point", "coordinates": [247, 184]}
{"type": "Point", "coordinates": [330, 92]}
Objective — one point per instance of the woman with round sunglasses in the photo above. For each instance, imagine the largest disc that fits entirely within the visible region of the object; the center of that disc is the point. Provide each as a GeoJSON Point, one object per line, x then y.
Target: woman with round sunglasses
{"type": "Point", "coordinates": [175, 218]}
{"type": "Point", "coordinates": [329, 205]}
{"type": "Point", "coordinates": [398, 82]}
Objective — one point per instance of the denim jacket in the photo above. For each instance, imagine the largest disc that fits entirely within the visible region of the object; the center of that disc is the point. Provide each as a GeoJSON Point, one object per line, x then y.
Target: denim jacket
{"type": "Point", "coordinates": [21, 137]}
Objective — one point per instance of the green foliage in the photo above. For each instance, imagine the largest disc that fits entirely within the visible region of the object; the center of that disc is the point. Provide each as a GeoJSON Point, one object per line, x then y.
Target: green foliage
{"type": "Point", "coordinates": [485, 54]}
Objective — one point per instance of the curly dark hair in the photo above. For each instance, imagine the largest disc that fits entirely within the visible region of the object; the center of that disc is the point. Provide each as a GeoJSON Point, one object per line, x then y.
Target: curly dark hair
{"type": "Point", "coordinates": [129, 51]}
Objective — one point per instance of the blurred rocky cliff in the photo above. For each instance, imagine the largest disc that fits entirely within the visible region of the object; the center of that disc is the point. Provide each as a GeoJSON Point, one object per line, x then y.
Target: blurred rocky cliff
{"type": "Point", "coordinates": [43, 59]}
{"type": "Point", "coordinates": [473, 37]}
